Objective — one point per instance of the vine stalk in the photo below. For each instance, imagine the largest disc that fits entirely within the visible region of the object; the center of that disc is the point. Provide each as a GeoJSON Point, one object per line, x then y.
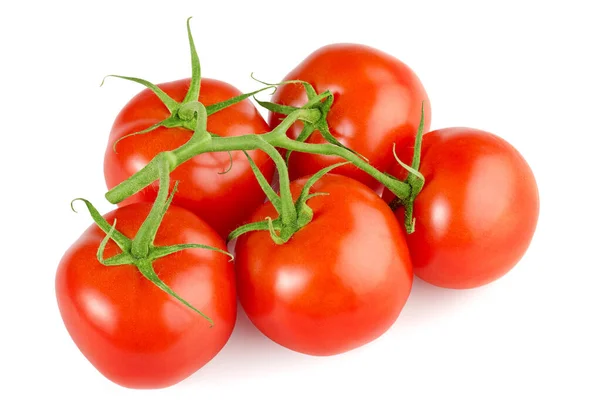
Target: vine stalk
{"type": "Point", "coordinates": [203, 142]}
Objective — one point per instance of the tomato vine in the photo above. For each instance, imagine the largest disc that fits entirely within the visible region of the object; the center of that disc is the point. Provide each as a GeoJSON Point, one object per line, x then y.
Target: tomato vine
{"type": "Point", "coordinates": [192, 114]}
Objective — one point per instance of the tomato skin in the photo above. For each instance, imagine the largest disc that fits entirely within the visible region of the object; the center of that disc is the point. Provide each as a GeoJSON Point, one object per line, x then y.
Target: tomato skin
{"type": "Point", "coordinates": [339, 283]}
{"type": "Point", "coordinates": [477, 212]}
{"type": "Point", "coordinates": [212, 196]}
{"type": "Point", "coordinates": [377, 101]}
{"type": "Point", "coordinates": [132, 332]}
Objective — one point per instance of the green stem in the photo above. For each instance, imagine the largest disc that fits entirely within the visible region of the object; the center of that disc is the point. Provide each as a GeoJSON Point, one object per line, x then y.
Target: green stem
{"type": "Point", "coordinates": [163, 251]}
{"type": "Point", "coordinates": [121, 240]}
{"type": "Point", "coordinates": [203, 143]}
{"type": "Point", "coordinates": [251, 227]}
{"type": "Point", "coordinates": [140, 247]}
{"type": "Point", "coordinates": [310, 116]}
{"type": "Point", "coordinates": [415, 179]}
{"type": "Point", "coordinates": [288, 208]}
{"type": "Point", "coordinates": [199, 144]}
{"type": "Point", "coordinates": [416, 160]}
{"type": "Point", "coordinates": [146, 269]}
{"type": "Point", "coordinates": [194, 90]}
{"type": "Point", "coordinates": [399, 188]}
{"type": "Point", "coordinates": [163, 97]}
{"type": "Point", "coordinates": [264, 184]}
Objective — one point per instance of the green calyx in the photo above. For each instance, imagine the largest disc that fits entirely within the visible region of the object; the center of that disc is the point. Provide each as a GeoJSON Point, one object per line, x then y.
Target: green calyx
{"type": "Point", "coordinates": [141, 251]}
{"type": "Point", "coordinates": [292, 215]}
{"type": "Point", "coordinates": [320, 102]}
{"type": "Point", "coordinates": [180, 116]}
{"type": "Point", "coordinates": [415, 180]}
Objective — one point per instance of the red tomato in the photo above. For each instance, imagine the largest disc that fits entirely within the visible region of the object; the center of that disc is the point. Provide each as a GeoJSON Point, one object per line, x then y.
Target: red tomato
{"type": "Point", "coordinates": [340, 282]}
{"type": "Point", "coordinates": [478, 209]}
{"type": "Point", "coordinates": [132, 332]}
{"type": "Point", "coordinates": [377, 102]}
{"type": "Point", "coordinates": [212, 196]}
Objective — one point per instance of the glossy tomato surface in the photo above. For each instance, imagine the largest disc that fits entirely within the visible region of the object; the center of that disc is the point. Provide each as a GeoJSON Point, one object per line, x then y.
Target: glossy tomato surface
{"type": "Point", "coordinates": [340, 282]}
{"type": "Point", "coordinates": [377, 101]}
{"type": "Point", "coordinates": [478, 209]}
{"type": "Point", "coordinates": [202, 189]}
{"type": "Point", "coordinates": [131, 331]}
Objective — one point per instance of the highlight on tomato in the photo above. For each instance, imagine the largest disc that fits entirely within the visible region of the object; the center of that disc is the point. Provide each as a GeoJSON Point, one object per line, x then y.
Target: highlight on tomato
{"type": "Point", "coordinates": [146, 305]}
{"type": "Point", "coordinates": [376, 102]}
{"type": "Point", "coordinates": [338, 283]}
{"type": "Point", "coordinates": [477, 212]}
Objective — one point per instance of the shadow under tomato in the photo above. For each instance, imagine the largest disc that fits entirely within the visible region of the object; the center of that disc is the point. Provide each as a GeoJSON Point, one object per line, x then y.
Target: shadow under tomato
{"type": "Point", "coordinates": [248, 352]}
{"type": "Point", "coordinates": [427, 301]}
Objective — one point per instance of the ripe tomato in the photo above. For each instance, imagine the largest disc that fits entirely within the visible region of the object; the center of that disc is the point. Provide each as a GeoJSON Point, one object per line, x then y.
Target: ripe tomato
{"type": "Point", "coordinates": [377, 102]}
{"type": "Point", "coordinates": [212, 196]}
{"type": "Point", "coordinates": [131, 331]}
{"type": "Point", "coordinates": [340, 282]}
{"type": "Point", "coordinates": [477, 212]}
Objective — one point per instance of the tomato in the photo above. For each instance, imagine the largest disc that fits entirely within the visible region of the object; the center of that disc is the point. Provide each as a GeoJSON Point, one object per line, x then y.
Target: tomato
{"type": "Point", "coordinates": [377, 101]}
{"type": "Point", "coordinates": [338, 283]}
{"type": "Point", "coordinates": [212, 196]}
{"type": "Point", "coordinates": [134, 333]}
{"type": "Point", "coordinates": [477, 212]}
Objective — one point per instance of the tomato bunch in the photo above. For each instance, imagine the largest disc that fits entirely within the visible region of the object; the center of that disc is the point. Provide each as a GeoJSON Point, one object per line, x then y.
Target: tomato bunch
{"type": "Point", "coordinates": [321, 266]}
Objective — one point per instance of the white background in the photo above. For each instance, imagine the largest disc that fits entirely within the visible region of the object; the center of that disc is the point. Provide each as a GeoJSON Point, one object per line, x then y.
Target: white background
{"type": "Point", "coordinates": [525, 70]}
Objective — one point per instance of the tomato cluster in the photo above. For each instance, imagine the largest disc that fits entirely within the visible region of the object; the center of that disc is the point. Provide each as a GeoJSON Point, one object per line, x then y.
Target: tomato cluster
{"type": "Point", "coordinates": [322, 267]}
